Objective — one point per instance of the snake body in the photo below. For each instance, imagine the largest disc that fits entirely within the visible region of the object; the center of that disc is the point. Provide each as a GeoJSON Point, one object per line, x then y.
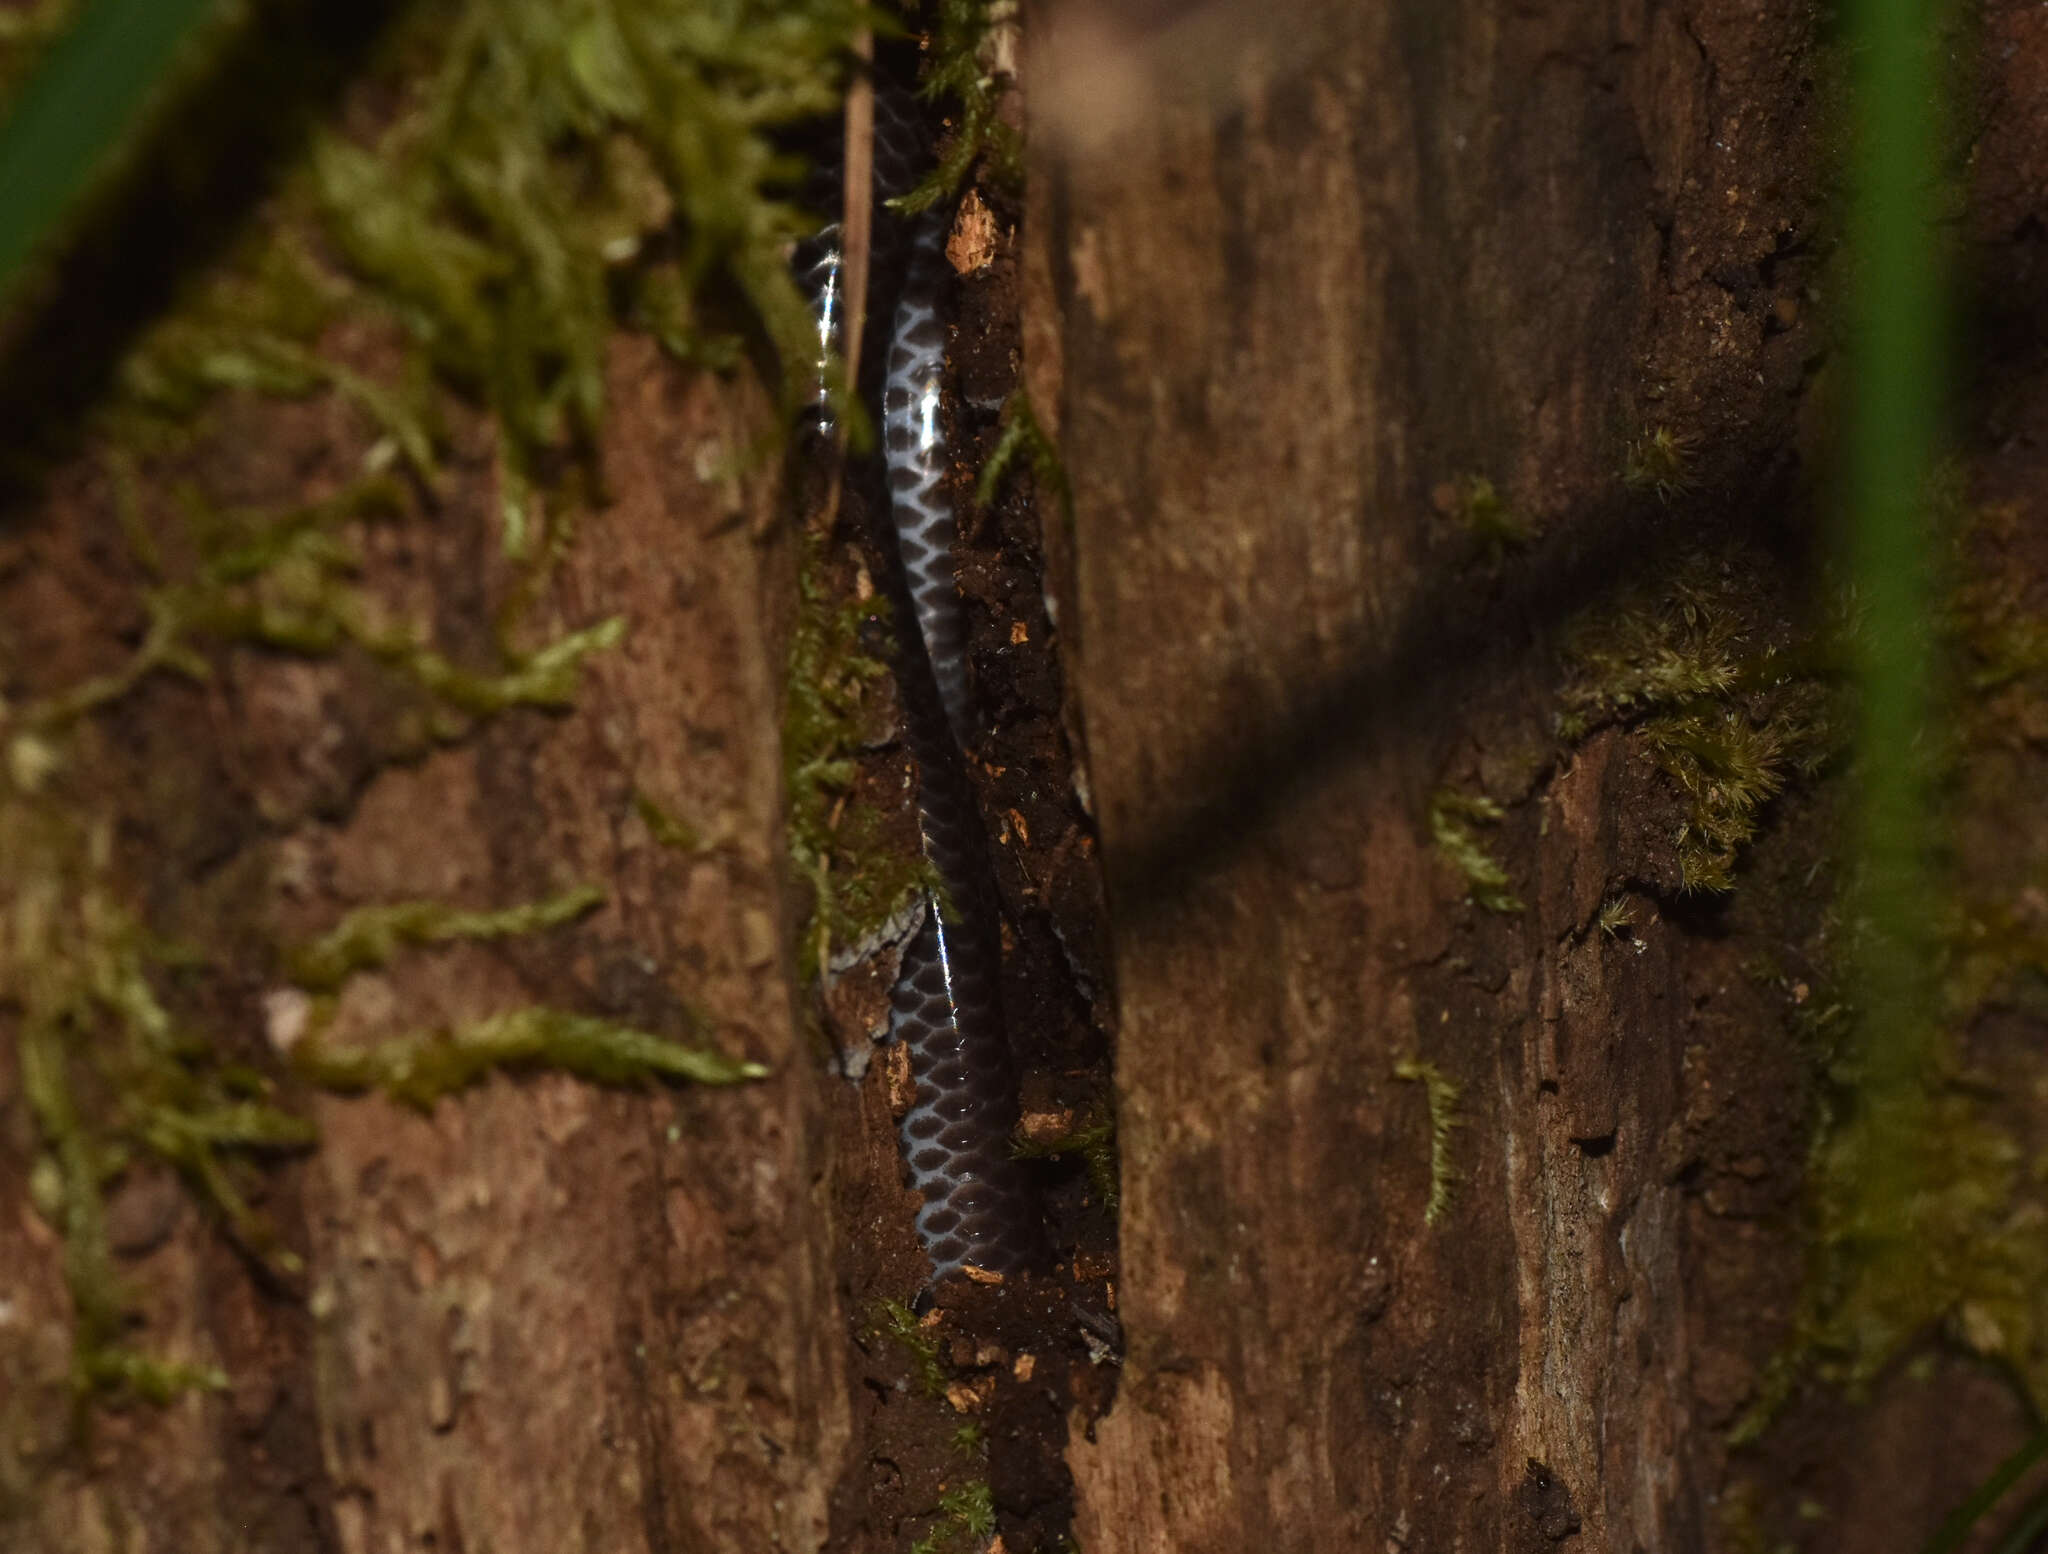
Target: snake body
{"type": "Point", "coordinates": [946, 1006]}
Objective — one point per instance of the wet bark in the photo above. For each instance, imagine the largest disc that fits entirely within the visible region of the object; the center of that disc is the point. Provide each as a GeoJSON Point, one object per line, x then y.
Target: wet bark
{"type": "Point", "coordinates": [1441, 1227]}
{"type": "Point", "coordinates": [1303, 278]}
{"type": "Point", "coordinates": [543, 1314]}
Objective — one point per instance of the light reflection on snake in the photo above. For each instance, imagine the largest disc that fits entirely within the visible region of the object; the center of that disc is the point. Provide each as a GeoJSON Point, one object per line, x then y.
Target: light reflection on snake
{"type": "Point", "coordinates": [946, 1007]}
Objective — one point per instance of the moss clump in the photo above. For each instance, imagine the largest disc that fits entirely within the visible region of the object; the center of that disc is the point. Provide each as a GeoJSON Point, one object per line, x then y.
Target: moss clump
{"type": "Point", "coordinates": [1472, 503]}
{"type": "Point", "coordinates": [1927, 1193]}
{"type": "Point", "coordinates": [960, 79]}
{"type": "Point", "coordinates": [1452, 818]}
{"type": "Point", "coordinates": [1025, 441]}
{"type": "Point", "coordinates": [1659, 462]}
{"type": "Point", "coordinates": [368, 937]}
{"type": "Point", "coordinates": [859, 882]}
{"type": "Point", "coordinates": [420, 1069]}
{"type": "Point", "coordinates": [549, 167]}
{"type": "Point", "coordinates": [1729, 718]}
{"type": "Point", "coordinates": [112, 1078]}
{"type": "Point", "coordinates": [554, 142]}
{"type": "Point", "coordinates": [1443, 1093]}
{"type": "Point", "coordinates": [895, 1323]}
{"type": "Point", "coordinates": [967, 1518]}
{"type": "Point", "coordinates": [1093, 1138]}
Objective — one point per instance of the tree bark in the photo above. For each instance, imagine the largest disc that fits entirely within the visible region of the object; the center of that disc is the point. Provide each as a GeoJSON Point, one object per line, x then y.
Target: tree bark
{"type": "Point", "coordinates": [1456, 1213]}
{"type": "Point", "coordinates": [1305, 279]}
{"type": "Point", "coordinates": [540, 1314]}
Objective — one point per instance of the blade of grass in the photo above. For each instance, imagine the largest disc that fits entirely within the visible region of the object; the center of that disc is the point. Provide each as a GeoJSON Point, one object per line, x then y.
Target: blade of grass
{"type": "Point", "coordinates": [1895, 426]}
{"type": "Point", "coordinates": [89, 89]}
{"type": "Point", "coordinates": [1950, 1535]}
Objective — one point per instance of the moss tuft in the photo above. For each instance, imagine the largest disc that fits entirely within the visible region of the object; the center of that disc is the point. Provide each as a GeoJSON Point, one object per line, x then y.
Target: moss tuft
{"type": "Point", "coordinates": [420, 1069]}
{"type": "Point", "coordinates": [1616, 917]}
{"type": "Point", "coordinates": [859, 883]}
{"type": "Point", "coordinates": [968, 1518]}
{"type": "Point", "coordinates": [1443, 1093]}
{"type": "Point", "coordinates": [109, 1075]}
{"type": "Point", "coordinates": [1471, 502]}
{"type": "Point", "coordinates": [1024, 439]}
{"type": "Point", "coordinates": [665, 828]}
{"type": "Point", "coordinates": [1659, 461]}
{"type": "Point", "coordinates": [894, 1322]}
{"type": "Point", "coordinates": [369, 936]}
{"type": "Point", "coordinates": [1093, 1138]}
{"type": "Point", "coordinates": [1729, 720]}
{"type": "Point", "coordinates": [960, 79]}
{"type": "Point", "coordinates": [1452, 818]}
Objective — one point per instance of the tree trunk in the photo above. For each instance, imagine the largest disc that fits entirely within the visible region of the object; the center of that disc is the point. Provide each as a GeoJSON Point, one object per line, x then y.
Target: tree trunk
{"type": "Point", "coordinates": [1430, 378]}
{"type": "Point", "coordinates": [1340, 307]}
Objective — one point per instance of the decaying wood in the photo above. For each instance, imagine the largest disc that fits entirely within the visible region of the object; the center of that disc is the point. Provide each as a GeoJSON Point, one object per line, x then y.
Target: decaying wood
{"type": "Point", "coordinates": [1375, 249]}
{"type": "Point", "coordinates": [549, 1314]}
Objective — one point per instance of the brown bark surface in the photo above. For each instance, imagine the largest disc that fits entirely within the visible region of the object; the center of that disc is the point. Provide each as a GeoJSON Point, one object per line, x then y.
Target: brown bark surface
{"type": "Point", "coordinates": [544, 1315]}
{"type": "Point", "coordinates": [1300, 272]}
{"type": "Point", "coordinates": [1441, 1228]}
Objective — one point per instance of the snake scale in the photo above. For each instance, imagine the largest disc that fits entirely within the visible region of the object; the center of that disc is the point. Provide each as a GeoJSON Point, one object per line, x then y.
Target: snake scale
{"type": "Point", "coordinates": [978, 1208]}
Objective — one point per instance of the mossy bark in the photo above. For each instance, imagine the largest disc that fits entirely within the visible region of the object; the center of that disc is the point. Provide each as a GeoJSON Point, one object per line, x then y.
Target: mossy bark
{"type": "Point", "coordinates": [540, 1313]}
{"type": "Point", "coordinates": [1305, 280]}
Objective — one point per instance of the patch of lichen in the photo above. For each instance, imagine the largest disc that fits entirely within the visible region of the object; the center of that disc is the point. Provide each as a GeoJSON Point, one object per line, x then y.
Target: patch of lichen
{"type": "Point", "coordinates": [1453, 817]}
{"type": "Point", "coordinates": [1729, 711]}
{"type": "Point", "coordinates": [859, 881]}
{"type": "Point", "coordinates": [960, 78]}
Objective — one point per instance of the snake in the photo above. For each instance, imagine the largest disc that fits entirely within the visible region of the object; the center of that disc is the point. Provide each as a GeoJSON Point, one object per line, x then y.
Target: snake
{"type": "Point", "coordinates": [978, 1212]}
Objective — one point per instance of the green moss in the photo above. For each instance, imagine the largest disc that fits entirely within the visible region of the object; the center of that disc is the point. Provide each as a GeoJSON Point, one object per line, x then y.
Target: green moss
{"type": "Point", "coordinates": [1443, 1093]}
{"type": "Point", "coordinates": [958, 79]}
{"type": "Point", "coordinates": [286, 581]}
{"type": "Point", "coordinates": [1471, 502]}
{"type": "Point", "coordinates": [152, 1380]}
{"type": "Point", "coordinates": [555, 141]}
{"type": "Point", "coordinates": [895, 1323]}
{"type": "Point", "coordinates": [1093, 1138]}
{"type": "Point", "coordinates": [1452, 818]}
{"type": "Point", "coordinates": [1729, 719]}
{"type": "Point", "coordinates": [968, 1518]}
{"type": "Point", "coordinates": [859, 882]}
{"type": "Point", "coordinates": [369, 936]}
{"type": "Point", "coordinates": [1659, 462]}
{"type": "Point", "coordinates": [1616, 917]}
{"type": "Point", "coordinates": [1927, 1197]}
{"type": "Point", "coordinates": [1024, 440]}
{"type": "Point", "coordinates": [664, 827]}
{"type": "Point", "coordinates": [110, 1075]}
{"type": "Point", "coordinates": [420, 1069]}
{"type": "Point", "coordinates": [546, 167]}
